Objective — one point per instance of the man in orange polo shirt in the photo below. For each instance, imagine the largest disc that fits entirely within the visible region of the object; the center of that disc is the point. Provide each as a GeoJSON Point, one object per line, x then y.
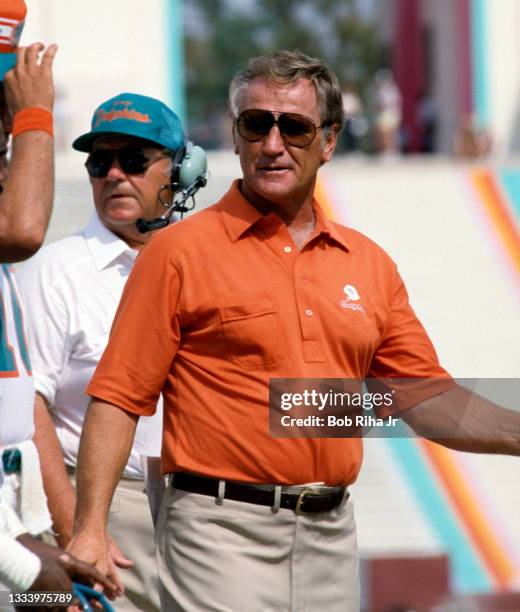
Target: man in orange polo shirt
{"type": "Point", "coordinates": [259, 286]}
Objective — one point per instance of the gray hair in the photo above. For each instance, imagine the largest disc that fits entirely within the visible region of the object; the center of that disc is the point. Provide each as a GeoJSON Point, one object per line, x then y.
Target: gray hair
{"type": "Point", "coordinates": [286, 67]}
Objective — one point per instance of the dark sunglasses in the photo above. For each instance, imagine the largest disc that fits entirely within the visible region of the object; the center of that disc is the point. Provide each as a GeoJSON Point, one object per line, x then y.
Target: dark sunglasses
{"type": "Point", "coordinates": [131, 160]}
{"type": "Point", "coordinates": [254, 124]}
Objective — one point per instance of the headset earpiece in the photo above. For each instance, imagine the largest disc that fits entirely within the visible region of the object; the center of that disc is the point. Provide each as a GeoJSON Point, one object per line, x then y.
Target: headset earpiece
{"type": "Point", "coordinates": [188, 164]}
{"type": "Point", "coordinates": [194, 164]}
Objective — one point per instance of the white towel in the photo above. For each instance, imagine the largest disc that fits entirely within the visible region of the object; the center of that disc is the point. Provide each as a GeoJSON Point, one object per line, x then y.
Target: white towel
{"type": "Point", "coordinates": [24, 492]}
{"type": "Point", "coordinates": [10, 523]}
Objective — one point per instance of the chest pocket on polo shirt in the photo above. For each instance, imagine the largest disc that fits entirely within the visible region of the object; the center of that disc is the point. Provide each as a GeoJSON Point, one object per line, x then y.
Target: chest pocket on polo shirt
{"type": "Point", "coordinates": [253, 333]}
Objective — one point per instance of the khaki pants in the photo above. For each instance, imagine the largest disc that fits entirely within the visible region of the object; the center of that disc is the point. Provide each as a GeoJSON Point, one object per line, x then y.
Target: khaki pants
{"type": "Point", "coordinates": [239, 557]}
{"type": "Point", "coordinates": [130, 525]}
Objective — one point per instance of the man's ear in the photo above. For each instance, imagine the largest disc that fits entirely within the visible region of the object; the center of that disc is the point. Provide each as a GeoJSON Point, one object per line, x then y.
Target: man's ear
{"type": "Point", "coordinates": [331, 140]}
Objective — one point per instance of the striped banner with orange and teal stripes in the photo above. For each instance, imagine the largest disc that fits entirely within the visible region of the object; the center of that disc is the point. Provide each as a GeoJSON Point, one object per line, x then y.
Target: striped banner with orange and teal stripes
{"type": "Point", "coordinates": [457, 510]}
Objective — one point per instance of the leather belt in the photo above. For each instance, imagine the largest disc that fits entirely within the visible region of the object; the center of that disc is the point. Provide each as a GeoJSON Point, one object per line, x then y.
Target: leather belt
{"type": "Point", "coordinates": [311, 500]}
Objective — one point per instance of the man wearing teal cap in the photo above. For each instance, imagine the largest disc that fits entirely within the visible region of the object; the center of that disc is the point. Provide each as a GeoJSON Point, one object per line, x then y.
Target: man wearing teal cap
{"type": "Point", "coordinates": [73, 286]}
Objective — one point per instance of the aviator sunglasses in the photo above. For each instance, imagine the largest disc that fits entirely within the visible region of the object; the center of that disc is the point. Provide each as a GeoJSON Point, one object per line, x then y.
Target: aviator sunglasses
{"type": "Point", "coordinates": [132, 160]}
{"type": "Point", "coordinates": [254, 124]}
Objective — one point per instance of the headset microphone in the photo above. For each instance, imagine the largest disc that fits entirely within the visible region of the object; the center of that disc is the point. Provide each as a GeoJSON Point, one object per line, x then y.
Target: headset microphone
{"type": "Point", "coordinates": [189, 174]}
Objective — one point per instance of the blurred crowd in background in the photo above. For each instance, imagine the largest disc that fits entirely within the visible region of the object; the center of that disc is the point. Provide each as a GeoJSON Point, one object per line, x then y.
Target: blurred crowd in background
{"type": "Point", "coordinates": [350, 35]}
{"type": "Point", "coordinates": [374, 123]}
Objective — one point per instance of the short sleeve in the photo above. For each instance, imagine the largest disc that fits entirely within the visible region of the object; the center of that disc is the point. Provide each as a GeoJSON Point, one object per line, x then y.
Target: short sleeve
{"type": "Point", "coordinates": [145, 335]}
{"type": "Point", "coordinates": [405, 361]}
{"type": "Point", "coordinates": [405, 350]}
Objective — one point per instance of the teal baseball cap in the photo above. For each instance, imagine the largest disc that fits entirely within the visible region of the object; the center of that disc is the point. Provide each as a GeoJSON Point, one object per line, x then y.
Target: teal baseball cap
{"type": "Point", "coordinates": [131, 114]}
{"type": "Point", "coordinates": [12, 20]}
{"type": "Point", "coordinates": [7, 61]}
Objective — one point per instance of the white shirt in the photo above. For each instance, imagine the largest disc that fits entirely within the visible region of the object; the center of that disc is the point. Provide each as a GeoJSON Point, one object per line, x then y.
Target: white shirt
{"type": "Point", "coordinates": [16, 383]}
{"type": "Point", "coordinates": [71, 290]}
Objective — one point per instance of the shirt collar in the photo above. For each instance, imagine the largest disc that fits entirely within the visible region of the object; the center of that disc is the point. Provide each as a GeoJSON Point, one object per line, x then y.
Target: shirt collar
{"type": "Point", "coordinates": [325, 226]}
{"type": "Point", "coordinates": [239, 215]}
{"type": "Point", "coordinates": [104, 246]}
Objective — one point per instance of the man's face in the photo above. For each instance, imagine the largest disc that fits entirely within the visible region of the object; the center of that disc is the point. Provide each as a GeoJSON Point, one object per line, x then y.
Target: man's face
{"type": "Point", "coordinates": [121, 198]}
{"type": "Point", "coordinates": [274, 170]}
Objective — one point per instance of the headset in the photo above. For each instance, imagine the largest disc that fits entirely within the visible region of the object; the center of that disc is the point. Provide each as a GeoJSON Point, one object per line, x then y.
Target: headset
{"type": "Point", "coordinates": [189, 173]}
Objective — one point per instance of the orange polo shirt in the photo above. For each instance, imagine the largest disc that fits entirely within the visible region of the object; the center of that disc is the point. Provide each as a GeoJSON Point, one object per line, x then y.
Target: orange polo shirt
{"type": "Point", "coordinates": [221, 302]}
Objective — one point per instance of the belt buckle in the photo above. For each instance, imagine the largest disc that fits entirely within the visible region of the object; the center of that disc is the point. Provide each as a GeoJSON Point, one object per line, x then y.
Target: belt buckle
{"type": "Point", "coordinates": [301, 497]}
